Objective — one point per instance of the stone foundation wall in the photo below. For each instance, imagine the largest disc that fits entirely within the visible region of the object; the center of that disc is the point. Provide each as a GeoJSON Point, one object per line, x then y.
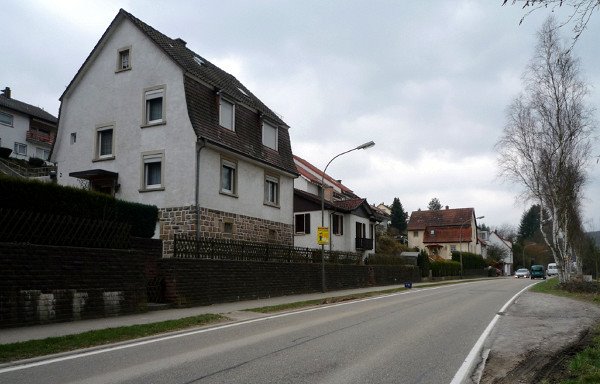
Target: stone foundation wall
{"type": "Point", "coordinates": [220, 225]}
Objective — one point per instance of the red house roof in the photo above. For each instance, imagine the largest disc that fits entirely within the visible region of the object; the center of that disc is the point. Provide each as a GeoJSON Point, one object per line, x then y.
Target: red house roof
{"type": "Point", "coordinates": [317, 180]}
{"type": "Point", "coordinates": [420, 220]}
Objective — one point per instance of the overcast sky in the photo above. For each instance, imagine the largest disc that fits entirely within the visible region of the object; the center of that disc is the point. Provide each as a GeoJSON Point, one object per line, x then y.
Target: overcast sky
{"type": "Point", "coordinates": [428, 81]}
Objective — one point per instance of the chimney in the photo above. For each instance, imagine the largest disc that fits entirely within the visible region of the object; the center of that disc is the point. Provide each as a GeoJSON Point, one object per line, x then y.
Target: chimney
{"type": "Point", "coordinates": [180, 41]}
{"type": "Point", "coordinates": [6, 92]}
{"type": "Point", "coordinates": [446, 207]}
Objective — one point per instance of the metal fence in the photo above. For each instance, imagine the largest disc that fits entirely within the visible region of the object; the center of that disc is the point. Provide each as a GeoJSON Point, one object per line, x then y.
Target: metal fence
{"type": "Point", "coordinates": [186, 246]}
{"type": "Point", "coordinates": [18, 226]}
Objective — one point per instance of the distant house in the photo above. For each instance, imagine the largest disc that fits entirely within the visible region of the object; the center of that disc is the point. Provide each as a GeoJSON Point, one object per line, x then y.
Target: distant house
{"type": "Point", "coordinates": [493, 238]}
{"type": "Point", "coordinates": [351, 219]}
{"type": "Point", "coordinates": [27, 130]}
{"type": "Point", "coordinates": [444, 231]}
{"type": "Point", "coordinates": [148, 120]}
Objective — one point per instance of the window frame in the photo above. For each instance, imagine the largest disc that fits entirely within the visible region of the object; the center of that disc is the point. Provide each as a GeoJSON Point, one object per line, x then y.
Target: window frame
{"type": "Point", "coordinates": [46, 153]}
{"type": "Point", "coordinates": [11, 117]}
{"type": "Point", "coordinates": [73, 138]}
{"type": "Point", "coordinates": [152, 157]}
{"type": "Point", "coordinates": [98, 142]}
{"type": "Point", "coordinates": [221, 121]}
{"type": "Point", "coordinates": [232, 165]}
{"type": "Point", "coordinates": [22, 146]}
{"type": "Point", "coordinates": [120, 53]}
{"type": "Point", "coordinates": [152, 93]}
{"type": "Point", "coordinates": [268, 125]}
{"type": "Point", "coordinates": [337, 224]}
{"type": "Point", "coordinates": [305, 223]}
{"type": "Point", "coordinates": [271, 180]}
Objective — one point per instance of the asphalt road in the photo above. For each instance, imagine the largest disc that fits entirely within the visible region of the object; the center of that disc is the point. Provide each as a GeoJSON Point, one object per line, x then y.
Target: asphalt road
{"type": "Point", "coordinates": [418, 336]}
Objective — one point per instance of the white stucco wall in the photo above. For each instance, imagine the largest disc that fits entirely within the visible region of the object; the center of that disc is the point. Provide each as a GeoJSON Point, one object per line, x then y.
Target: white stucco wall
{"type": "Point", "coordinates": [250, 188]}
{"type": "Point", "coordinates": [102, 96]}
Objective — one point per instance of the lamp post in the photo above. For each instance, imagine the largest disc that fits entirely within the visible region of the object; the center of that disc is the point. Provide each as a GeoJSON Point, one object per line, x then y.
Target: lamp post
{"type": "Point", "coordinates": [362, 146]}
{"type": "Point", "coordinates": [460, 243]}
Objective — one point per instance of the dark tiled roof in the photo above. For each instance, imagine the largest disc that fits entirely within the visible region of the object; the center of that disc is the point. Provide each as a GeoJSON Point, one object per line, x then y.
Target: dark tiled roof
{"type": "Point", "coordinates": [349, 205]}
{"type": "Point", "coordinates": [420, 220]}
{"type": "Point", "coordinates": [447, 235]}
{"type": "Point", "coordinates": [27, 109]}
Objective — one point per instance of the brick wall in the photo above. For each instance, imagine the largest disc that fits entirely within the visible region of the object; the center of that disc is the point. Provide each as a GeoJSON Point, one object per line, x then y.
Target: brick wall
{"type": "Point", "coordinates": [192, 282]}
{"type": "Point", "coordinates": [182, 220]}
{"type": "Point", "coordinates": [43, 284]}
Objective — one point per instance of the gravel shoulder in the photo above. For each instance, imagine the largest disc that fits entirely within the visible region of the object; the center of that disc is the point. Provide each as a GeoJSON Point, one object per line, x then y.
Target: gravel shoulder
{"type": "Point", "coordinates": [534, 337]}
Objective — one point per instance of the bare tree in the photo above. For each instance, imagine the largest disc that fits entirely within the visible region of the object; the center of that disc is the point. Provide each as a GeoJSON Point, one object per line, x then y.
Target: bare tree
{"type": "Point", "coordinates": [580, 13]}
{"type": "Point", "coordinates": [545, 145]}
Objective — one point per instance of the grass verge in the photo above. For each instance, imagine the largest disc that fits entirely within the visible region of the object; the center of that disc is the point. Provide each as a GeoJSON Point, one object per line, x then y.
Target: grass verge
{"type": "Point", "coordinates": [35, 348]}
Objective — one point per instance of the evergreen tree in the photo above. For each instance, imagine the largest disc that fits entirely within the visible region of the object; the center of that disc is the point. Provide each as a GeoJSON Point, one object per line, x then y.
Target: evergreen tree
{"type": "Point", "coordinates": [399, 216]}
{"type": "Point", "coordinates": [434, 204]}
{"type": "Point", "coordinates": [530, 223]}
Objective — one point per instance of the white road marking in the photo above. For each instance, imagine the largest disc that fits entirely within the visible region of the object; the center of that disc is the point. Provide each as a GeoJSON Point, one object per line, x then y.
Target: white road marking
{"type": "Point", "coordinates": [467, 364]}
{"type": "Point", "coordinates": [19, 367]}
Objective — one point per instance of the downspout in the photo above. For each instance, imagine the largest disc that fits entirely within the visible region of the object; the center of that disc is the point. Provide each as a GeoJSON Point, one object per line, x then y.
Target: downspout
{"type": "Point", "coordinates": [201, 143]}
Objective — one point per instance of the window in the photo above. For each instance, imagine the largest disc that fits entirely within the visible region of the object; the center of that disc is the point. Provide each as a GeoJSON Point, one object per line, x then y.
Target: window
{"type": "Point", "coordinates": [154, 99]}
{"type": "Point", "coordinates": [337, 224]}
{"type": "Point", "coordinates": [415, 233]}
{"type": "Point", "coordinates": [104, 142]}
{"type": "Point", "coordinates": [124, 59]}
{"type": "Point", "coordinates": [361, 230]}
{"type": "Point", "coordinates": [152, 170]}
{"type": "Point", "coordinates": [73, 138]}
{"type": "Point", "coordinates": [271, 190]}
{"type": "Point", "coordinates": [20, 149]}
{"type": "Point", "coordinates": [6, 119]}
{"type": "Point", "coordinates": [302, 223]}
{"type": "Point", "coordinates": [228, 227]}
{"type": "Point", "coordinates": [452, 248]}
{"type": "Point", "coordinates": [41, 153]}
{"type": "Point", "coordinates": [227, 114]}
{"type": "Point", "coordinates": [269, 135]}
{"type": "Point", "coordinates": [228, 177]}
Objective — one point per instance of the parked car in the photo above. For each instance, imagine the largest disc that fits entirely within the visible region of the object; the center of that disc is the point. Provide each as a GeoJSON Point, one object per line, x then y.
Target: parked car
{"type": "Point", "coordinates": [538, 271]}
{"type": "Point", "coordinates": [522, 272]}
{"type": "Point", "coordinates": [552, 269]}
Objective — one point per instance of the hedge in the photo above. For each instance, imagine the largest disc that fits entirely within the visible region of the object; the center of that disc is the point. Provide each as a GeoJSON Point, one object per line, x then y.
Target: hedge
{"type": "Point", "coordinates": [441, 268]}
{"type": "Point", "coordinates": [470, 260]}
{"type": "Point", "coordinates": [53, 199]}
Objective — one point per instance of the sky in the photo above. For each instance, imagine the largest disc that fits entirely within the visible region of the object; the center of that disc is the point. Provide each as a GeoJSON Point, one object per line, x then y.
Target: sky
{"type": "Point", "coordinates": [428, 81]}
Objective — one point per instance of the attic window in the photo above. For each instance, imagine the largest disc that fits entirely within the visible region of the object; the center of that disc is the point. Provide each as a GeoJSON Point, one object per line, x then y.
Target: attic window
{"type": "Point", "coordinates": [124, 59]}
{"type": "Point", "coordinates": [432, 232]}
{"type": "Point", "coordinates": [198, 60]}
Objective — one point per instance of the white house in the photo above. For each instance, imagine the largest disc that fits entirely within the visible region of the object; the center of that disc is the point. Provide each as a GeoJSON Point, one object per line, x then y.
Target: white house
{"type": "Point", "coordinates": [148, 120]}
{"type": "Point", "coordinates": [502, 243]}
{"type": "Point", "coordinates": [351, 220]}
{"type": "Point", "coordinates": [27, 130]}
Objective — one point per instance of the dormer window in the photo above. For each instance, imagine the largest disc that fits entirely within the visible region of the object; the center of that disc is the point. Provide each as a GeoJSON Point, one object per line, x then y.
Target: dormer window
{"type": "Point", "coordinates": [269, 135]}
{"type": "Point", "coordinates": [124, 59]}
{"type": "Point", "coordinates": [226, 114]}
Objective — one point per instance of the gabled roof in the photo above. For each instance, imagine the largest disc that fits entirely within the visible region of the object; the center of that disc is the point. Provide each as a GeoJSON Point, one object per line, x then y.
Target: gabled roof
{"type": "Point", "coordinates": [302, 169]}
{"type": "Point", "coordinates": [197, 69]}
{"type": "Point", "coordinates": [420, 220]}
{"type": "Point", "coordinates": [343, 206]}
{"type": "Point", "coordinates": [28, 109]}
{"type": "Point", "coordinates": [447, 235]}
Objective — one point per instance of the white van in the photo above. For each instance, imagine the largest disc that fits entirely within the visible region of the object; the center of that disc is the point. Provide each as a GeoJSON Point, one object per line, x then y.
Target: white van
{"type": "Point", "coordinates": [552, 269]}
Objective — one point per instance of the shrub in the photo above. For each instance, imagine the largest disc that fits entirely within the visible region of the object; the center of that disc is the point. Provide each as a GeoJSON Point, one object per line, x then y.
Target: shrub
{"type": "Point", "coordinates": [470, 260]}
{"type": "Point", "coordinates": [441, 268]}
{"type": "Point", "coordinates": [53, 199]}
{"type": "Point", "coordinates": [5, 152]}
{"type": "Point", "coordinates": [36, 162]}
{"type": "Point", "coordinates": [423, 263]}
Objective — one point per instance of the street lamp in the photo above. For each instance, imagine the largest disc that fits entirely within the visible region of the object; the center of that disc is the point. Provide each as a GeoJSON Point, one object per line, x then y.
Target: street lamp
{"type": "Point", "coordinates": [362, 146]}
{"type": "Point", "coordinates": [460, 243]}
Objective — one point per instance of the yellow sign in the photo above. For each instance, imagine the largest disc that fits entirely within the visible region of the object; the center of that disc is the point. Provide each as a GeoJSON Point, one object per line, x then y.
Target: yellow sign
{"type": "Point", "coordinates": [322, 235]}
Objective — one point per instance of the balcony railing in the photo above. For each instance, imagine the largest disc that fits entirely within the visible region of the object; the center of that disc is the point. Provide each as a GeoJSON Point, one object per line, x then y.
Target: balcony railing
{"type": "Point", "coordinates": [40, 137]}
{"type": "Point", "coordinates": [364, 244]}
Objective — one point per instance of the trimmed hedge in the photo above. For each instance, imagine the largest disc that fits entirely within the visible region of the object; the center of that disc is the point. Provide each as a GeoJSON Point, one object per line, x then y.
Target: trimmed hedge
{"type": "Point", "coordinates": [440, 268]}
{"type": "Point", "coordinates": [53, 199]}
{"type": "Point", "coordinates": [470, 260]}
